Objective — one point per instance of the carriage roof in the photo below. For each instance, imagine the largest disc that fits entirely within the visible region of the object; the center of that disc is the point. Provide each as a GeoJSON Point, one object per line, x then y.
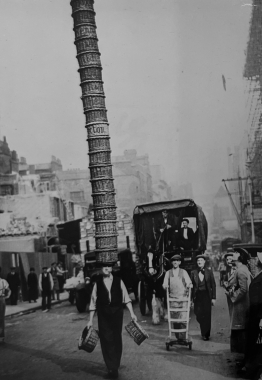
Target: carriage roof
{"type": "Point", "coordinates": [189, 208]}
{"type": "Point", "coordinates": [188, 204]}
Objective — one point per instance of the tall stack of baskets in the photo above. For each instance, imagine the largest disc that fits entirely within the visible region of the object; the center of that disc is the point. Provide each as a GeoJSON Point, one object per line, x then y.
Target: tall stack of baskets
{"type": "Point", "coordinates": [93, 98]}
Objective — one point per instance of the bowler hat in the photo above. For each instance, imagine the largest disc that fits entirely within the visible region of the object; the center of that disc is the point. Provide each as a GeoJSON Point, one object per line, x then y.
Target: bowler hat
{"type": "Point", "coordinates": [175, 257]}
{"type": "Point", "coordinates": [201, 257]}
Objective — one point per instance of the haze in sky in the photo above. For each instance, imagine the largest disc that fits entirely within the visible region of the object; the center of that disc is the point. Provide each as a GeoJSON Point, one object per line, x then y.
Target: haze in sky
{"type": "Point", "coordinates": [163, 63]}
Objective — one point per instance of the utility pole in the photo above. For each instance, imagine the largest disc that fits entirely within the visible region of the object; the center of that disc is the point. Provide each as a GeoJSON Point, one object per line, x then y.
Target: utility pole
{"type": "Point", "coordinates": [249, 182]}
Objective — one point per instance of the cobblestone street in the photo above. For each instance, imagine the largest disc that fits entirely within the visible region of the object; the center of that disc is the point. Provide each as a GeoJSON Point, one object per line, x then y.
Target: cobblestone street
{"type": "Point", "coordinates": [44, 346]}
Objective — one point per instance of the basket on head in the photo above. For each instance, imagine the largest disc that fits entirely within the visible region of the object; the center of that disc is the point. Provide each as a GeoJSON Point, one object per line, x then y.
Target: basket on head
{"type": "Point", "coordinates": [136, 332]}
{"type": "Point", "coordinates": [88, 339]}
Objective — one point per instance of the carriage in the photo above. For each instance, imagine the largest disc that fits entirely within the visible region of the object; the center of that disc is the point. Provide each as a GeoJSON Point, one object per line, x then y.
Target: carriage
{"type": "Point", "coordinates": [157, 242]}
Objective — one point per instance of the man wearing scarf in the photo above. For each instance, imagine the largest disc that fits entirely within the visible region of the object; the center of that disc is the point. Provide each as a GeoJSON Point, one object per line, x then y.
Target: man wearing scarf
{"type": "Point", "coordinates": [204, 295]}
{"type": "Point", "coordinates": [108, 297]}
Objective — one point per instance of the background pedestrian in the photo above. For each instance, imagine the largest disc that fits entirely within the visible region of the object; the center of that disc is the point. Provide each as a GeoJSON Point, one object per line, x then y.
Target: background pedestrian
{"type": "Point", "coordinates": [239, 295]}
{"type": "Point", "coordinates": [56, 291]}
{"type": "Point", "coordinates": [5, 292]}
{"type": "Point", "coordinates": [14, 283]}
{"type": "Point", "coordinates": [204, 295]}
{"type": "Point", "coordinates": [46, 285]}
{"type": "Point", "coordinates": [32, 284]}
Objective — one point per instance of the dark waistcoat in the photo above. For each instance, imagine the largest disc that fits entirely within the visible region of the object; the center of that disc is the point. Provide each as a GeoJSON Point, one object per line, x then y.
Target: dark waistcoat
{"type": "Point", "coordinates": [202, 285]}
{"type": "Point", "coordinates": [46, 285]}
{"type": "Point", "coordinates": [103, 294]}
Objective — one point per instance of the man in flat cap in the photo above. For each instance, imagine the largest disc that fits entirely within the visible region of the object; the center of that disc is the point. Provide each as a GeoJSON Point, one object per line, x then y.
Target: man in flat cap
{"type": "Point", "coordinates": [178, 282]}
{"type": "Point", "coordinates": [204, 295]}
{"type": "Point", "coordinates": [186, 236]}
{"type": "Point", "coordinates": [108, 297]}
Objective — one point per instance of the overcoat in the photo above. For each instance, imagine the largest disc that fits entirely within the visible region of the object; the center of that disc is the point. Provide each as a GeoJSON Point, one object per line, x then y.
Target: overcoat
{"type": "Point", "coordinates": [240, 298]}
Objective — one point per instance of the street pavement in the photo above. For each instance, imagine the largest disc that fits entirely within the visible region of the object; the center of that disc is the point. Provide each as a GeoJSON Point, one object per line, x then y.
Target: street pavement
{"type": "Point", "coordinates": [44, 346]}
{"type": "Point", "coordinates": [26, 307]}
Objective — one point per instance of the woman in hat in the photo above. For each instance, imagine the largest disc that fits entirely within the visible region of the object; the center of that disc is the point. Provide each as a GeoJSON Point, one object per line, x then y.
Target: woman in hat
{"type": "Point", "coordinates": [239, 297]}
{"type": "Point", "coordinates": [108, 297]}
{"type": "Point", "coordinates": [204, 295]}
{"type": "Point", "coordinates": [178, 282]}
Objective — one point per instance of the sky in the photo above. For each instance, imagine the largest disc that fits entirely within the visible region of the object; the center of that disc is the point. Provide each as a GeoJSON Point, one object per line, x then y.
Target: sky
{"type": "Point", "coordinates": [163, 63]}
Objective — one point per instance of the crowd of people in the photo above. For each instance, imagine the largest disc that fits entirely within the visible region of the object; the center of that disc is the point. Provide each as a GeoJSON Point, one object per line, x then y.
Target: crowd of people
{"type": "Point", "coordinates": [244, 297]}
{"type": "Point", "coordinates": [49, 284]}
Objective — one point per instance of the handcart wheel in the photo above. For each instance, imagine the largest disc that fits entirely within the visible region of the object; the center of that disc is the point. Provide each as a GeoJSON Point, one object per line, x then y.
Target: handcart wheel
{"type": "Point", "coordinates": [190, 345]}
{"type": "Point", "coordinates": [167, 346]}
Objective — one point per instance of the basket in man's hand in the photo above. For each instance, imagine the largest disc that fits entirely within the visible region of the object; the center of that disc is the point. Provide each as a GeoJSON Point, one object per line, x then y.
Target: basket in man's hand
{"type": "Point", "coordinates": [136, 332]}
{"type": "Point", "coordinates": [88, 339]}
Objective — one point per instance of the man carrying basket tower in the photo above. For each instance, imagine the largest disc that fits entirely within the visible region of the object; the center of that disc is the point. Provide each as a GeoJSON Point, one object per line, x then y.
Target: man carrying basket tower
{"type": "Point", "coordinates": [108, 297]}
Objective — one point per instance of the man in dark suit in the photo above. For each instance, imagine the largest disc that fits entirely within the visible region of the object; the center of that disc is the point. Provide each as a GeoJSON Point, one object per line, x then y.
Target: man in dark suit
{"type": "Point", "coordinates": [164, 232]}
{"type": "Point", "coordinates": [204, 295]}
{"type": "Point", "coordinates": [14, 282]}
{"type": "Point", "coordinates": [186, 236]}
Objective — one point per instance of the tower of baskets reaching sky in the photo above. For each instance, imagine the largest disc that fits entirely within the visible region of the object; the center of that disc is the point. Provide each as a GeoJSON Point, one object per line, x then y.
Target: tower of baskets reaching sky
{"type": "Point", "coordinates": [93, 97]}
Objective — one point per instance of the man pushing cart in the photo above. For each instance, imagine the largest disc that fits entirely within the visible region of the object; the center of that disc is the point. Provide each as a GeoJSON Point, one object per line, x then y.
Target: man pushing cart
{"type": "Point", "coordinates": [178, 287]}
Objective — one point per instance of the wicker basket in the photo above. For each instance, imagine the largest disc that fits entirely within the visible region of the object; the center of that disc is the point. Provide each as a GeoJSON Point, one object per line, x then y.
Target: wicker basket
{"type": "Point", "coordinates": [106, 242]}
{"type": "Point", "coordinates": [107, 256]}
{"type": "Point", "coordinates": [88, 339]}
{"type": "Point", "coordinates": [106, 213]}
{"type": "Point", "coordinates": [104, 199]}
{"type": "Point", "coordinates": [136, 332]}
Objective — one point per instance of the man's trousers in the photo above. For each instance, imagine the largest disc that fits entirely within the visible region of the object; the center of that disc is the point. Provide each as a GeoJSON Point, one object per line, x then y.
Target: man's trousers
{"type": "Point", "coordinates": [110, 322]}
{"type": "Point", "coordinates": [46, 299]}
{"type": "Point", "coordinates": [202, 310]}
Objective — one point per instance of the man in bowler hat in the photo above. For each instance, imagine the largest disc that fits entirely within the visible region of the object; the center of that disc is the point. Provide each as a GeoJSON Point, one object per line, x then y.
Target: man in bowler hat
{"type": "Point", "coordinates": [108, 298]}
{"type": "Point", "coordinates": [204, 295]}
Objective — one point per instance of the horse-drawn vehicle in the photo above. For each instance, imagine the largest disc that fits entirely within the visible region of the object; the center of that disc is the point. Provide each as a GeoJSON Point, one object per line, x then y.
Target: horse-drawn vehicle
{"type": "Point", "coordinates": [161, 230]}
